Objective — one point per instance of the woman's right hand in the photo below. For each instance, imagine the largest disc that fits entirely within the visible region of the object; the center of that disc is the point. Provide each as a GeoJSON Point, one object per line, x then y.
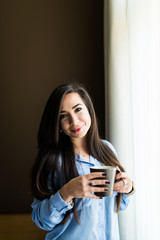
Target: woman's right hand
{"type": "Point", "coordinates": [83, 186]}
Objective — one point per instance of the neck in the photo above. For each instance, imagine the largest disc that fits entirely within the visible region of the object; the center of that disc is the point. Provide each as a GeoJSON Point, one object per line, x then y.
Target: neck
{"type": "Point", "coordinates": [80, 147]}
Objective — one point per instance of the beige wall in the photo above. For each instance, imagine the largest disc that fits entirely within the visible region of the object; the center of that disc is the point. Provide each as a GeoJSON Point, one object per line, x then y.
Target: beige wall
{"type": "Point", "coordinates": [43, 44]}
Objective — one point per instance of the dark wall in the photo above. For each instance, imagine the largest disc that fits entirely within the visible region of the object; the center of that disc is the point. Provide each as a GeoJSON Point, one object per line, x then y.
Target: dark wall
{"type": "Point", "coordinates": [43, 44]}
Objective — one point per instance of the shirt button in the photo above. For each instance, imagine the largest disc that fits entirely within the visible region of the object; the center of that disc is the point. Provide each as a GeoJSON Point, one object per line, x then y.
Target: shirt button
{"type": "Point", "coordinates": [101, 226]}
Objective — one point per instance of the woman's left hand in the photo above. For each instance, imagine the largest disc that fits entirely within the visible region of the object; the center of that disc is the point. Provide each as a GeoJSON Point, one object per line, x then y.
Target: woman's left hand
{"type": "Point", "coordinates": [123, 182]}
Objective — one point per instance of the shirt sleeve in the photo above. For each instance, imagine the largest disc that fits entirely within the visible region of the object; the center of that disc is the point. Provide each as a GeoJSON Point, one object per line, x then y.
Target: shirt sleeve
{"type": "Point", "coordinates": [125, 201]}
{"type": "Point", "coordinates": [49, 212]}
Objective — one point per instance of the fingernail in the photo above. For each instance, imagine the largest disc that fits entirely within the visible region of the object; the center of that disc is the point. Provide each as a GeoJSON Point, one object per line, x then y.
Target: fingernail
{"type": "Point", "coordinates": [106, 190]}
{"type": "Point", "coordinates": [107, 182]}
{"type": "Point", "coordinates": [117, 171]}
{"type": "Point", "coordinates": [103, 174]}
{"type": "Point", "coordinates": [100, 198]}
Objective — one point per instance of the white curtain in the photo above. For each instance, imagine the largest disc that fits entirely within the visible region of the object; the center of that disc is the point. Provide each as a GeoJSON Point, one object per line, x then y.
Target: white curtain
{"type": "Point", "coordinates": [132, 86]}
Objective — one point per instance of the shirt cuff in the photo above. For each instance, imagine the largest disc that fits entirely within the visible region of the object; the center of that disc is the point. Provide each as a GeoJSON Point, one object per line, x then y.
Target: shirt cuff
{"type": "Point", "coordinates": [59, 203]}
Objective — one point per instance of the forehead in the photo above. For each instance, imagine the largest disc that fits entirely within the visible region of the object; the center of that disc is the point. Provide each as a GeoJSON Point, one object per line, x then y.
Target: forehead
{"type": "Point", "coordinates": [70, 100]}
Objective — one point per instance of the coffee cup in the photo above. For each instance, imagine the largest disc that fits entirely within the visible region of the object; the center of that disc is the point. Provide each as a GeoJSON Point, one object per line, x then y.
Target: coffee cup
{"type": "Point", "coordinates": [109, 174]}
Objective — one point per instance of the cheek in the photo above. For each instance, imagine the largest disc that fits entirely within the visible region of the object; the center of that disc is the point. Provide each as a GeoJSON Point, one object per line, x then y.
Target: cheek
{"type": "Point", "coordinates": [63, 125]}
{"type": "Point", "coordinates": [64, 129]}
{"type": "Point", "coordinates": [84, 116]}
{"type": "Point", "coordinates": [88, 119]}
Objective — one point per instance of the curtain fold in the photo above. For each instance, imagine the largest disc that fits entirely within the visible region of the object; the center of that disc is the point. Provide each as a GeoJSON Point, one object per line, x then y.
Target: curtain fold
{"type": "Point", "coordinates": [132, 91]}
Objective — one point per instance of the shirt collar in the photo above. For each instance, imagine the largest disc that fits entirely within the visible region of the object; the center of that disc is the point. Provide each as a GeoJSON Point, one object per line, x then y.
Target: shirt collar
{"type": "Point", "coordinates": [82, 160]}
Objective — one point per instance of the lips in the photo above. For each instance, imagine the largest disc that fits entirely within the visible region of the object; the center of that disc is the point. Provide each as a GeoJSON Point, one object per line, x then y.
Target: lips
{"type": "Point", "coordinates": [77, 130]}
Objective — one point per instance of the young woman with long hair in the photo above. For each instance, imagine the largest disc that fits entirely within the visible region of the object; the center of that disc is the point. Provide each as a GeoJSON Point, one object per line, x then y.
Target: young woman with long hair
{"type": "Point", "coordinates": [62, 185]}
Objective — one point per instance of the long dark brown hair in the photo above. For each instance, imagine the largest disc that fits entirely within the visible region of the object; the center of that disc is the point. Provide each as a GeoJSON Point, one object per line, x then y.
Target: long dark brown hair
{"type": "Point", "coordinates": [52, 144]}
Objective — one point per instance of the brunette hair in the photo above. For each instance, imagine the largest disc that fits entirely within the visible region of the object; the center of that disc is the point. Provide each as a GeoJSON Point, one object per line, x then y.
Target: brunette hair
{"type": "Point", "coordinates": [52, 144]}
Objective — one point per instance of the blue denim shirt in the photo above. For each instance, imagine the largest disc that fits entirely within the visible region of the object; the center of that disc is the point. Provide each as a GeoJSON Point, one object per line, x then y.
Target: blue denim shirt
{"type": "Point", "coordinates": [98, 217]}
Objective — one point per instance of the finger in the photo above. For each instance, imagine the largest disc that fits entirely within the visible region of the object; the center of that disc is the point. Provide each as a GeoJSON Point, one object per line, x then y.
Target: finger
{"type": "Point", "coordinates": [124, 182]}
{"type": "Point", "coordinates": [95, 175]}
{"type": "Point", "coordinates": [118, 169]}
{"type": "Point", "coordinates": [120, 190]}
{"type": "Point", "coordinates": [98, 182]}
{"type": "Point", "coordinates": [92, 195]}
{"type": "Point", "coordinates": [121, 183]}
{"type": "Point", "coordinates": [121, 175]}
{"type": "Point", "coordinates": [117, 186]}
{"type": "Point", "coordinates": [121, 187]}
{"type": "Point", "coordinates": [100, 189]}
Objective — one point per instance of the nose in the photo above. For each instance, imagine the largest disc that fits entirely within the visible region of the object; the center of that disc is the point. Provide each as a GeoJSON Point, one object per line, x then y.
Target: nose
{"type": "Point", "coordinates": [73, 120]}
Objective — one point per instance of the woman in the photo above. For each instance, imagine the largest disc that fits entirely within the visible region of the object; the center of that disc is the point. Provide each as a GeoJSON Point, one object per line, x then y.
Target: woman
{"type": "Point", "coordinates": [62, 185]}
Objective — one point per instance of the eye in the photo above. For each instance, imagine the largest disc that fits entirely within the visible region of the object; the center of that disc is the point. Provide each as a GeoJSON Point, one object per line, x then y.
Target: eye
{"type": "Point", "coordinates": [78, 109]}
{"type": "Point", "coordinates": [62, 116]}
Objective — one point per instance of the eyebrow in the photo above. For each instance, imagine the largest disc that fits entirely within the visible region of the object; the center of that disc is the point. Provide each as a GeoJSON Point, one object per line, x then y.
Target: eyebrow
{"type": "Point", "coordinates": [72, 107]}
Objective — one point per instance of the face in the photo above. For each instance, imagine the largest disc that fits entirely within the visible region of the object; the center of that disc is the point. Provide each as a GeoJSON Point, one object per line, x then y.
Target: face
{"type": "Point", "coordinates": [75, 120]}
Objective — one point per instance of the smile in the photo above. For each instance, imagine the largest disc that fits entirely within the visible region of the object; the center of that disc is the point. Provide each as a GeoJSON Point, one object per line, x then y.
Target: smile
{"type": "Point", "coordinates": [77, 130]}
